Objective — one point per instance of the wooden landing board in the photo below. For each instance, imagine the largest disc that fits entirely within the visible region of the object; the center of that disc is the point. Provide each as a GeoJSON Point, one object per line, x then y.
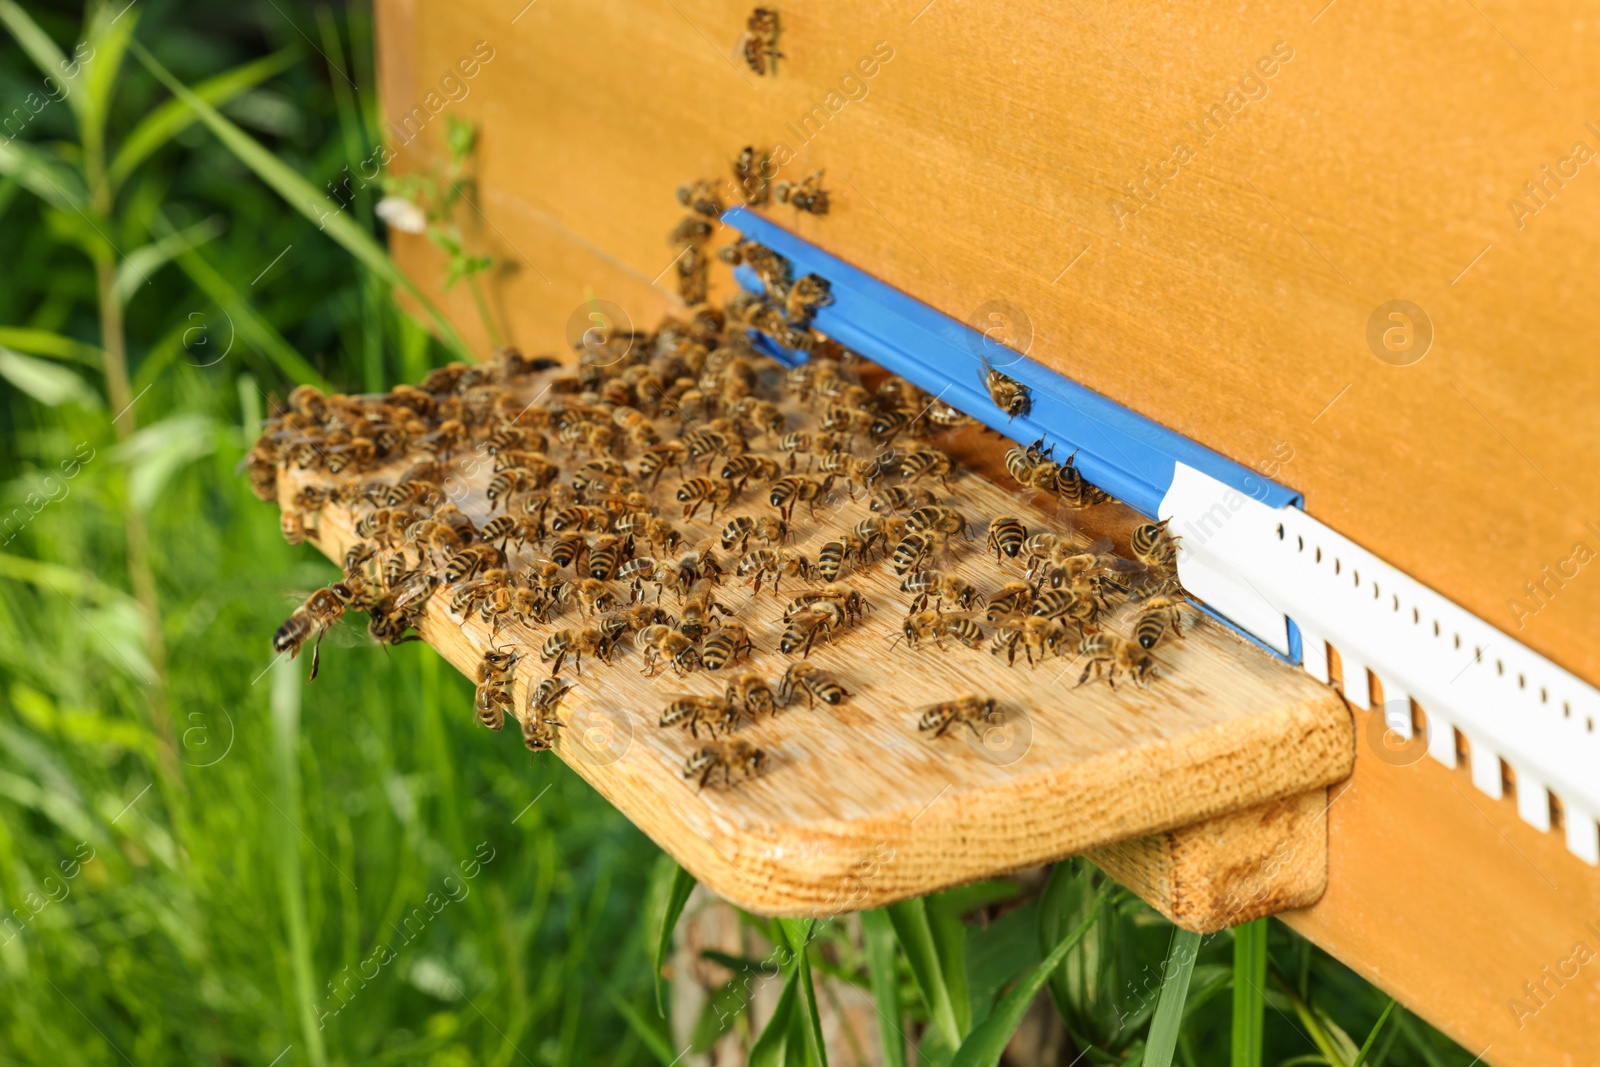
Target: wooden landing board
{"type": "Point", "coordinates": [859, 809]}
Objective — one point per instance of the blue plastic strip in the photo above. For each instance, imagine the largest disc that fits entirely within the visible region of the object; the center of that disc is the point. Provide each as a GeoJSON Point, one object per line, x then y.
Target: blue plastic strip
{"type": "Point", "coordinates": [1119, 450]}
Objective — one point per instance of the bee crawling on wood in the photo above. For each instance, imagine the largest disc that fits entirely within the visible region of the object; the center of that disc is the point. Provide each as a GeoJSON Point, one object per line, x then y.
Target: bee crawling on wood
{"type": "Point", "coordinates": [749, 692]}
{"type": "Point", "coordinates": [807, 195]}
{"type": "Point", "coordinates": [932, 626]}
{"type": "Point", "coordinates": [805, 677]}
{"type": "Point", "coordinates": [494, 677]}
{"type": "Point", "coordinates": [808, 293]}
{"type": "Point", "coordinates": [969, 709]}
{"type": "Point", "coordinates": [692, 712]}
{"type": "Point", "coordinates": [760, 41]}
{"type": "Point", "coordinates": [734, 754]}
{"type": "Point", "coordinates": [1008, 394]}
{"type": "Point", "coordinates": [750, 174]}
{"type": "Point", "coordinates": [702, 198]}
{"type": "Point", "coordinates": [1110, 653]}
{"type": "Point", "coordinates": [539, 724]}
{"type": "Point", "coordinates": [1158, 615]}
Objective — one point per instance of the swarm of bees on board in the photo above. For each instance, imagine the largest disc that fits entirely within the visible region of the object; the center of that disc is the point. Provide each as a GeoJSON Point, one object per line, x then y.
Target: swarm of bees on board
{"type": "Point", "coordinates": [636, 508]}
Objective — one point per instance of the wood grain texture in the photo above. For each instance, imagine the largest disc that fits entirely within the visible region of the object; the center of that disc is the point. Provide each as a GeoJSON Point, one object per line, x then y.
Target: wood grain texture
{"type": "Point", "coordinates": [858, 808]}
{"type": "Point", "coordinates": [1230, 869]}
{"type": "Point", "coordinates": [987, 154]}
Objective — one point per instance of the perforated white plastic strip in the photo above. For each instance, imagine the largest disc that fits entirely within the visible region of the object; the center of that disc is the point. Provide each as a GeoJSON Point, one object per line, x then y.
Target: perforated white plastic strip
{"type": "Point", "coordinates": [1259, 566]}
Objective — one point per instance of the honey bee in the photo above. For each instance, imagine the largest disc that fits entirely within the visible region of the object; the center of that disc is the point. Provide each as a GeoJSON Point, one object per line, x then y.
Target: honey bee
{"type": "Point", "coordinates": [741, 469]}
{"type": "Point", "coordinates": [876, 533]}
{"type": "Point", "coordinates": [1011, 598]}
{"type": "Point", "coordinates": [657, 458]}
{"type": "Point", "coordinates": [398, 610]}
{"type": "Point", "coordinates": [575, 643]}
{"type": "Point", "coordinates": [1006, 535]}
{"type": "Point", "coordinates": [759, 43]}
{"type": "Point", "coordinates": [847, 597]}
{"type": "Point", "coordinates": [935, 519]}
{"type": "Point", "coordinates": [293, 527]}
{"type": "Point", "coordinates": [749, 173]}
{"type": "Point", "coordinates": [834, 553]}
{"type": "Point", "coordinates": [408, 494]}
{"type": "Point", "coordinates": [932, 626]}
{"type": "Point", "coordinates": [700, 612]}
{"type": "Point", "coordinates": [927, 462]}
{"type": "Point", "coordinates": [913, 552]}
{"type": "Point", "coordinates": [697, 491]}
{"type": "Point", "coordinates": [693, 279]}
{"type": "Point", "coordinates": [734, 754]}
{"type": "Point", "coordinates": [702, 198]}
{"type": "Point", "coordinates": [791, 489]}
{"type": "Point", "coordinates": [805, 677]}
{"type": "Point", "coordinates": [310, 498]}
{"type": "Point", "coordinates": [938, 586]}
{"type": "Point", "coordinates": [1031, 466]}
{"type": "Point", "coordinates": [766, 563]}
{"type": "Point", "coordinates": [1110, 653]}
{"type": "Point", "coordinates": [947, 417]}
{"type": "Point", "coordinates": [494, 676]}
{"type": "Point", "coordinates": [579, 517]}
{"type": "Point", "coordinates": [693, 230]}
{"type": "Point", "coordinates": [594, 596]}
{"type": "Point", "coordinates": [539, 723]}
{"type": "Point", "coordinates": [1008, 394]}
{"type": "Point", "coordinates": [1037, 636]}
{"type": "Point", "coordinates": [901, 498]}
{"type": "Point", "coordinates": [1081, 602]}
{"type": "Point", "coordinates": [725, 646]}
{"type": "Point", "coordinates": [1153, 545]}
{"type": "Point", "coordinates": [771, 531]}
{"type": "Point", "coordinates": [969, 710]}
{"type": "Point", "coordinates": [566, 550]}
{"type": "Point", "coordinates": [693, 712]}
{"type": "Point", "coordinates": [508, 528]}
{"type": "Point", "coordinates": [749, 692]}
{"type": "Point", "coordinates": [808, 195]}
{"type": "Point", "coordinates": [805, 296]}
{"type": "Point", "coordinates": [472, 559]}
{"type": "Point", "coordinates": [1158, 615]}
{"type": "Point", "coordinates": [606, 555]}
{"type": "Point", "coordinates": [662, 643]}
{"type": "Point", "coordinates": [314, 618]}
{"type": "Point", "coordinates": [815, 622]}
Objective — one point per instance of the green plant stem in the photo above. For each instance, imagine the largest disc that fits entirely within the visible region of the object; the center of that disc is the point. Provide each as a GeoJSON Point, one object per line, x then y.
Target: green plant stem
{"type": "Point", "coordinates": [113, 347]}
{"type": "Point", "coordinates": [483, 310]}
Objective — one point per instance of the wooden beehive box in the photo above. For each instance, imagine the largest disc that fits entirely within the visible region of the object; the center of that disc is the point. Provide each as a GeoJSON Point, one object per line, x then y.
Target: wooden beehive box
{"type": "Point", "coordinates": [1198, 210]}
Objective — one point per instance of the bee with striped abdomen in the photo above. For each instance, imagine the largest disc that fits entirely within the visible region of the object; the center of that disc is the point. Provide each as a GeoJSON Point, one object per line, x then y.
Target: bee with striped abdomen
{"type": "Point", "coordinates": [1108, 653]}
{"type": "Point", "coordinates": [697, 491]}
{"type": "Point", "coordinates": [836, 552]}
{"type": "Point", "coordinates": [1006, 535]}
{"type": "Point", "coordinates": [1156, 617]}
{"type": "Point", "coordinates": [539, 721]}
{"type": "Point", "coordinates": [1008, 394]}
{"type": "Point", "coordinates": [749, 692]}
{"type": "Point", "coordinates": [969, 710]}
{"type": "Point", "coordinates": [662, 643]}
{"type": "Point", "coordinates": [693, 712]}
{"type": "Point", "coordinates": [805, 677]}
{"type": "Point", "coordinates": [901, 498]}
{"type": "Point", "coordinates": [494, 677]}
{"type": "Point", "coordinates": [932, 626]}
{"type": "Point", "coordinates": [734, 754]}
{"type": "Point", "coordinates": [575, 643]}
{"type": "Point", "coordinates": [938, 586]}
{"type": "Point", "coordinates": [926, 463]}
{"type": "Point", "coordinates": [791, 489]}
{"type": "Point", "coordinates": [725, 646]}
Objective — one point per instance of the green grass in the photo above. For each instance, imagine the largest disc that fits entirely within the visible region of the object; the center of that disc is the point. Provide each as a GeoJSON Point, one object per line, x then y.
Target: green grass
{"type": "Point", "coordinates": [205, 860]}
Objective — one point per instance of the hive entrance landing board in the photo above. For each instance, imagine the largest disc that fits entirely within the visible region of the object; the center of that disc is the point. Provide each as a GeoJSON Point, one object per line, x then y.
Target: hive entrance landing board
{"type": "Point", "coordinates": [857, 808]}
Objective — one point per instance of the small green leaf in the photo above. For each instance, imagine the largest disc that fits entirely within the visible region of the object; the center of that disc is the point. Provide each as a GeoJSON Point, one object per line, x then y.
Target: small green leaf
{"type": "Point", "coordinates": [43, 177]}
{"type": "Point", "coordinates": [772, 1047]}
{"type": "Point", "coordinates": [44, 52]}
{"type": "Point", "coordinates": [175, 116]}
{"type": "Point", "coordinates": [1168, 1019]}
{"type": "Point", "coordinates": [637, 1022]}
{"type": "Point", "coordinates": [110, 31]}
{"type": "Point", "coordinates": [45, 343]}
{"type": "Point", "coordinates": [988, 1040]}
{"type": "Point", "coordinates": [682, 885]}
{"type": "Point", "coordinates": [49, 383]}
{"type": "Point", "coordinates": [160, 450]}
{"type": "Point", "coordinates": [878, 933]}
{"type": "Point", "coordinates": [911, 926]}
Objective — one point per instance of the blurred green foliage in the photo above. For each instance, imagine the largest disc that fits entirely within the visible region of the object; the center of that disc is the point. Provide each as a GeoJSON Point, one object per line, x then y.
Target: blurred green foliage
{"type": "Point", "coordinates": [203, 859]}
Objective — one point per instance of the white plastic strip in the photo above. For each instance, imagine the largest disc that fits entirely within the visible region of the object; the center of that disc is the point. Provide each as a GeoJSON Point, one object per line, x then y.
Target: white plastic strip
{"type": "Point", "coordinates": [1259, 566]}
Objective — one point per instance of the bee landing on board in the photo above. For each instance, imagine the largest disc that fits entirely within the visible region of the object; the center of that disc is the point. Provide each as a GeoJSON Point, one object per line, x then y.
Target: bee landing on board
{"type": "Point", "coordinates": [314, 618]}
{"type": "Point", "coordinates": [734, 754]}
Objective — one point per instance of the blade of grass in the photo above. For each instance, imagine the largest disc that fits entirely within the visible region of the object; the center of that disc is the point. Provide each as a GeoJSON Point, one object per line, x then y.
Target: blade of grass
{"type": "Point", "coordinates": [950, 941]}
{"type": "Point", "coordinates": [637, 1022]}
{"type": "Point", "coordinates": [1249, 993]}
{"type": "Point", "coordinates": [797, 932]}
{"type": "Point", "coordinates": [683, 884]}
{"type": "Point", "coordinates": [109, 33]}
{"type": "Point", "coordinates": [285, 700]}
{"type": "Point", "coordinates": [304, 198]}
{"type": "Point", "coordinates": [878, 933]}
{"type": "Point", "coordinates": [175, 116]}
{"type": "Point", "coordinates": [138, 265]}
{"type": "Point", "coordinates": [772, 1047]}
{"type": "Point", "coordinates": [1168, 1019]}
{"type": "Point", "coordinates": [38, 45]}
{"type": "Point", "coordinates": [911, 927]}
{"type": "Point", "coordinates": [1366, 1046]}
{"type": "Point", "coordinates": [42, 176]}
{"type": "Point", "coordinates": [989, 1039]}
